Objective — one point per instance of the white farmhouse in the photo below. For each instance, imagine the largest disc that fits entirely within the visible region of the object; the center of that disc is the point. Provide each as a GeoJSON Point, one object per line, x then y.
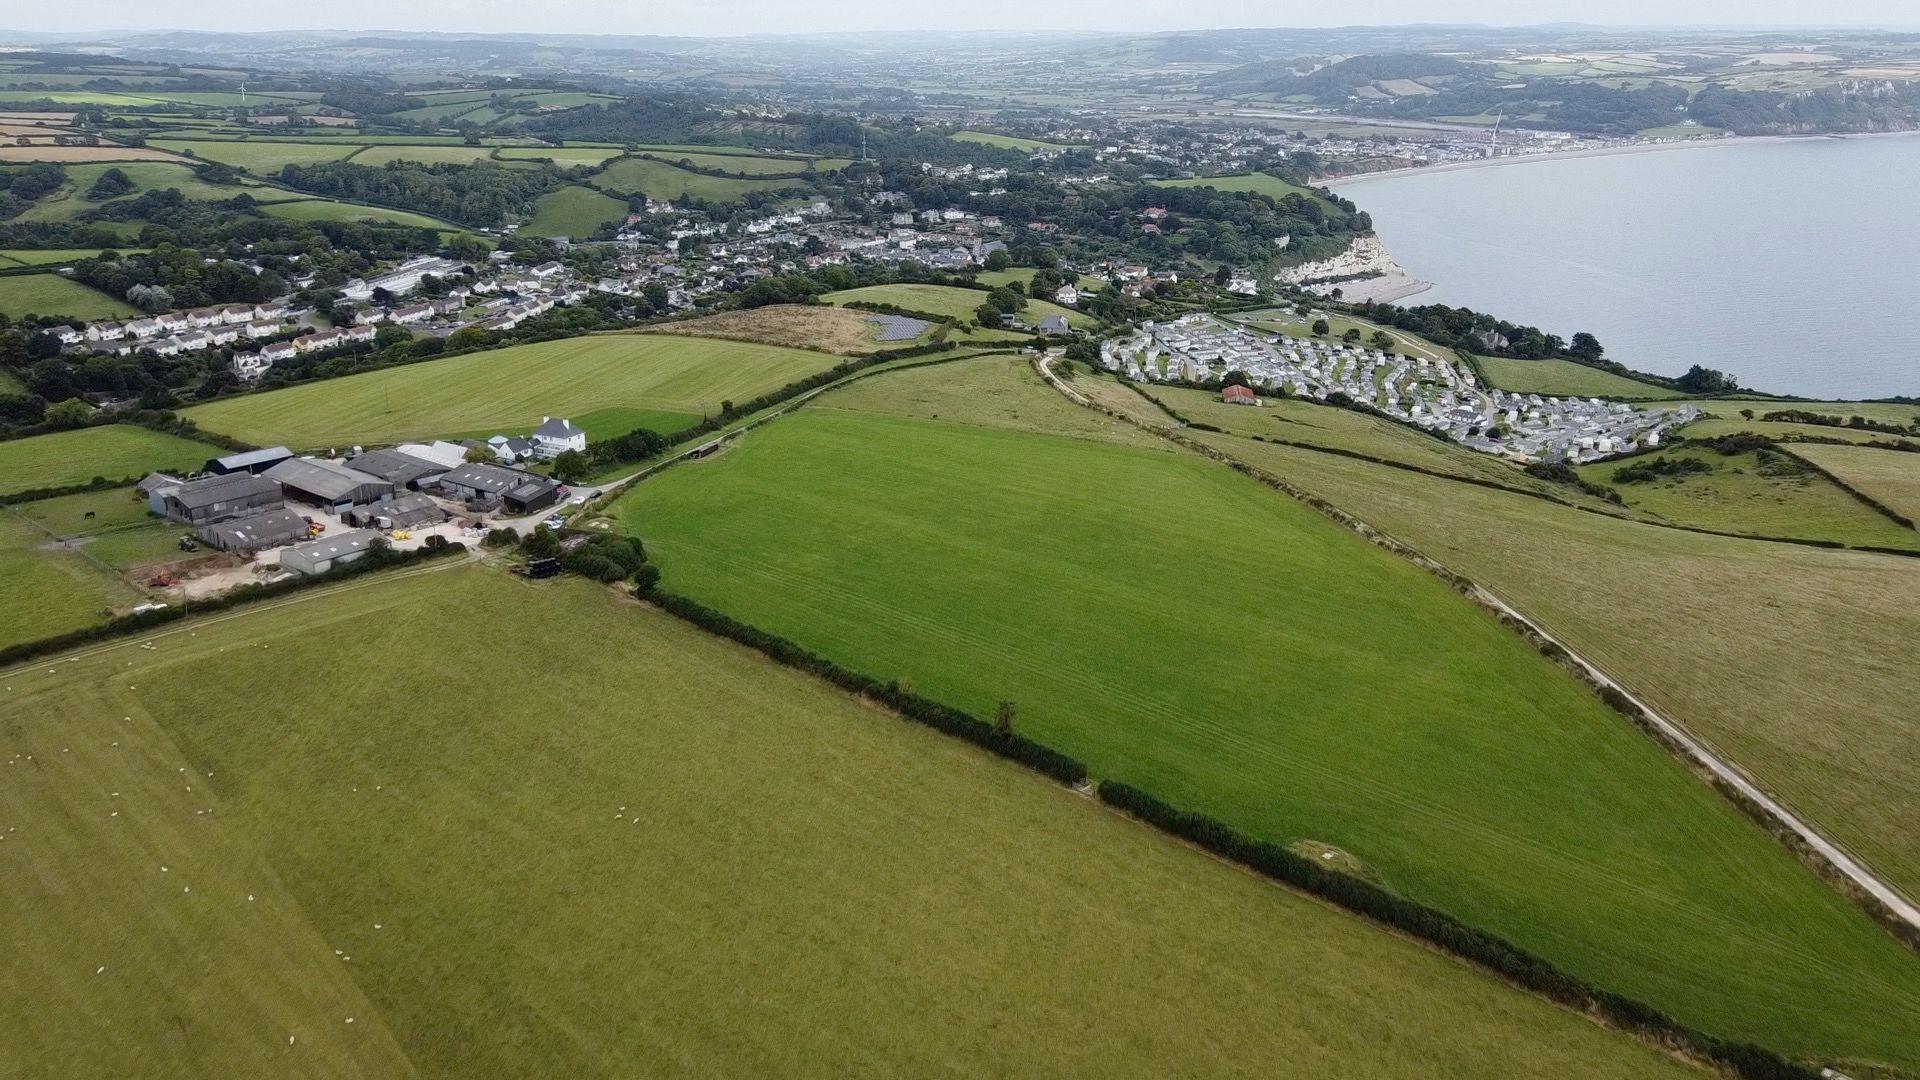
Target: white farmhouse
{"type": "Point", "coordinates": [556, 436]}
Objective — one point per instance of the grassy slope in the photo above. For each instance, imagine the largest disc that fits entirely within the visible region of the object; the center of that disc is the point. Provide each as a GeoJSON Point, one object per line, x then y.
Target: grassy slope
{"type": "Point", "coordinates": [573, 210]}
{"type": "Point", "coordinates": [1006, 142]}
{"type": "Point", "coordinates": [70, 200]}
{"type": "Point", "coordinates": [949, 300]}
{"type": "Point", "coordinates": [261, 157]}
{"type": "Point", "coordinates": [511, 387]}
{"type": "Point", "coordinates": [1238, 654]}
{"type": "Point", "coordinates": [1263, 183]}
{"type": "Point", "coordinates": [1891, 478]}
{"type": "Point", "coordinates": [751, 166]}
{"type": "Point", "coordinates": [51, 294]}
{"type": "Point", "coordinates": [818, 326]}
{"type": "Point", "coordinates": [111, 450]}
{"type": "Point", "coordinates": [1795, 662]}
{"type": "Point", "coordinates": [1564, 378]}
{"type": "Point", "coordinates": [659, 180]}
{"type": "Point", "coordinates": [589, 897]}
{"type": "Point", "coordinates": [328, 210]}
{"type": "Point", "coordinates": [1746, 495]}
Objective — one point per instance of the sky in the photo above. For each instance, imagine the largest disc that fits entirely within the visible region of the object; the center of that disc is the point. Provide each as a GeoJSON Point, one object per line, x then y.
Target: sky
{"type": "Point", "coordinates": [729, 17]}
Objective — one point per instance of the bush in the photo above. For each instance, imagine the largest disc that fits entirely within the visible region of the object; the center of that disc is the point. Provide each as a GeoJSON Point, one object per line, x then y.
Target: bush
{"type": "Point", "coordinates": [499, 538]}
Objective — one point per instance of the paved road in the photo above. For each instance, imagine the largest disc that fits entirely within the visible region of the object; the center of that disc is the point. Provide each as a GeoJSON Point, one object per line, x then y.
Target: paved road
{"type": "Point", "coordinates": [1834, 854]}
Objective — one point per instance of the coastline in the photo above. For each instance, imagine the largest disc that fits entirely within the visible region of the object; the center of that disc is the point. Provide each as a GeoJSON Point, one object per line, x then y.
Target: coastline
{"type": "Point", "coordinates": [1336, 182]}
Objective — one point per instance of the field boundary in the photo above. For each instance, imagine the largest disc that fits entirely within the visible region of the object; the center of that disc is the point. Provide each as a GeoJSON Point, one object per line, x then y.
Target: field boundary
{"type": "Point", "coordinates": [1873, 503]}
{"type": "Point", "coordinates": [1828, 859]}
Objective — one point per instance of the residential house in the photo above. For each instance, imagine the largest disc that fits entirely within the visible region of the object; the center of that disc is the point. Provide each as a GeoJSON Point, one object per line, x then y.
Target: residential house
{"type": "Point", "coordinates": [555, 436]}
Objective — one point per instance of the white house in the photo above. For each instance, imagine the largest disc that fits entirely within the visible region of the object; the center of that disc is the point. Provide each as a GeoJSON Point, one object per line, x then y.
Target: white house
{"type": "Point", "coordinates": [556, 436]}
{"type": "Point", "coordinates": [1067, 295]}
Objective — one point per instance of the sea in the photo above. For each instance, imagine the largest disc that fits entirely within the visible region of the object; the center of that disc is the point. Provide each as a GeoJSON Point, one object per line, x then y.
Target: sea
{"type": "Point", "coordinates": [1793, 265]}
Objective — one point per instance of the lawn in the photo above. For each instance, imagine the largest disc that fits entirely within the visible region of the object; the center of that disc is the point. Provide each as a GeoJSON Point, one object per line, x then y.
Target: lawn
{"type": "Point", "coordinates": [1183, 629]}
{"type": "Point", "coordinates": [1007, 142]}
{"type": "Point", "coordinates": [1564, 378]}
{"type": "Point", "coordinates": [1795, 662]}
{"type": "Point", "coordinates": [950, 301]}
{"type": "Point", "coordinates": [1759, 493]}
{"type": "Point", "coordinates": [659, 180]}
{"type": "Point", "coordinates": [574, 211]}
{"type": "Point", "coordinates": [487, 894]}
{"type": "Point", "coordinates": [51, 294]}
{"type": "Point", "coordinates": [110, 450]}
{"type": "Point", "coordinates": [512, 388]}
{"type": "Point", "coordinates": [1889, 477]}
{"type": "Point", "coordinates": [260, 157]}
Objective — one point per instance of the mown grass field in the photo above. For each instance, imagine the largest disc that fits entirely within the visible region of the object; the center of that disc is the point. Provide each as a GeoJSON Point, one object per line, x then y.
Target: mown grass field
{"type": "Point", "coordinates": [833, 329]}
{"type": "Point", "coordinates": [429, 155]}
{"type": "Point", "coordinates": [110, 450]}
{"type": "Point", "coordinates": [512, 388]}
{"type": "Point", "coordinates": [53, 256]}
{"type": "Point", "coordinates": [659, 180]}
{"type": "Point", "coordinates": [1564, 378]}
{"type": "Point", "coordinates": [566, 157]}
{"type": "Point", "coordinates": [1006, 142]}
{"type": "Point", "coordinates": [574, 211]}
{"type": "Point", "coordinates": [47, 590]}
{"type": "Point", "coordinates": [949, 300]}
{"type": "Point", "coordinates": [51, 294]}
{"type": "Point", "coordinates": [1755, 494]}
{"type": "Point", "coordinates": [1182, 629]}
{"type": "Point", "coordinates": [496, 895]}
{"type": "Point", "coordinates": [1889, 477]}
{"type": "Point", "coordinates": [328, 210]}
{"type": "Point", "coordinates": [259, 157]}
{"type": "Point", "coordinates": [751, 166]}
{"type": "Point", "coordinates": [1794, 661]}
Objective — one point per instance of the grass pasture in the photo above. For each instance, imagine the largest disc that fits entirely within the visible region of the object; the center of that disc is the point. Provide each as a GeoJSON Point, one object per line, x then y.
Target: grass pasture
{"type": "Point", "coordinates": [574, 211]}
{"type": "Point", "coordinates": [260, 156]}
{"type": "Point", "coordinates": [46, 588]}
{"type": "Point", "coordinates": [53, 256]}
{"type": "Point", "coordinates": [662, 181]}
{"type": "Point", "coordinates": [1236, 653]}
{"type": "Point", "coordinates": [893, 896]}
{"type": "Point", "coordinates": [110, 450]}
{"type": "Point", "coordinates": [752, 166]}
{"type": "Point", "coordinates": [147, 176]}
{"type": "Point", "coordinates": [51, 294]}
{"type": "Point", "coordinates": [328, 210]}
{"type": "Point", "coordinates": [511, 389]}
{"type": "Point", "coordinates": [65, 155]}
{"type": "Point", "coordinates": [950, 301]}
{"type": "Point", "coordinates": [1757, 494]}
{"type": "Point", "coordinates": [425, 154]}
{"type": "Point", "coordinates": [1006, 142]}
{"type": "Point", "coordinates": [1564, 378]}
{"type": "Point", "coordinates": [1890, 478]}
{"type": "Point", "coordinates": [1261, 183]}
{"type": "Point", "coordinates": [566, 157]}
{"type": "Point", "coordinates": [836, 330]}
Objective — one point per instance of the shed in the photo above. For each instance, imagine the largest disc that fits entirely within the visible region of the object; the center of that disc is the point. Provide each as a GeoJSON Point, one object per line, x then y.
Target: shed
{"type": "Point", "coordinates": [533, 493]}
{"type": "Point", "coordinates": [328, 552]}
{"type": "Point", "coordinates": [326, 483]}
{"type": "Point", "coordinates": [408, 511]}
{"type": "Point", "coordinates": [256, 532]}
{"type": "Point", "coordinates": [217, 498]}
{"type": "Point", "coordinates": [476, 481]}
{"type": "Point", "coordinates": [399, 468]}
{"type": "Point", "coordinates": [251, 461]}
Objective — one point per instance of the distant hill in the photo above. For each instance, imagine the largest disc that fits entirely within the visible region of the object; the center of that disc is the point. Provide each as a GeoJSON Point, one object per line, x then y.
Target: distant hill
{"type": "Point", "coordinates": [1338, 81]}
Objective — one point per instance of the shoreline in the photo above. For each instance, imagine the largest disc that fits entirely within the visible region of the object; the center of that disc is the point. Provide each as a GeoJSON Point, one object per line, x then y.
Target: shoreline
{"type": "Point", "coordinates": [1332, 183]}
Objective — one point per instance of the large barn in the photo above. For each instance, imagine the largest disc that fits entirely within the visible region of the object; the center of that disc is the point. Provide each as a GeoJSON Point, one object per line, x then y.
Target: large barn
{"type": "Point", "coordinates": [326, 483]}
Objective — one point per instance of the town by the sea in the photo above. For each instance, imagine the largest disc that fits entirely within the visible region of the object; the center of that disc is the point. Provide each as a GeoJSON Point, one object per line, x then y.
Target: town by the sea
{"type": "Point", "coordinates": [1791, 264]}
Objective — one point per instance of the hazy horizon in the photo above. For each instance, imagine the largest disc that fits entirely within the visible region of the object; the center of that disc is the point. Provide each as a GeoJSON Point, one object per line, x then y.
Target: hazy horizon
{"type": "Point", "coordinates": [680, 18]}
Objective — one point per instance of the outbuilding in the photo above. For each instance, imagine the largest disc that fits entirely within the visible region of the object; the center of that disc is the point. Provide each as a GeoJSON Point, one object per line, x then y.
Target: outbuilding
{"type": "Point", "coordinates": [249, 461]}
{"type": "Point", "coordinates": [328, 552]}
{"type": "Point", "coordinates": [216, 498]}
{"type": "Point", "coordinates": [409, 511]}
{"type": "Point", "coordinates": [327, 484]}
{"type": "Point", "coordinates": [256, 532]}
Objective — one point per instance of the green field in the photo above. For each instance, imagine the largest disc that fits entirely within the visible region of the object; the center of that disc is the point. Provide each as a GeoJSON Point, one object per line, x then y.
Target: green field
{"type": "Point", "coordinates": [1564, 378]}
{"type": "Point", "coordinates": [950, 301]}
{"type": "Point", "coordinates": [51, 294]}
{"type": "Point", "coordinates": [1714, 427]}
{"type": "Point", "coordinates": [1236, 653]}
{"type": "Point", "coordinates": [1007, 142]}
{"type": "Point", "coordinates": [47, 589]}
{"type": "Point", "coordinates": [1884, 411]}
{"type": "Point", "coordinates": [147, 176]}
{"type": "Point", "coordinates": [259, 157]}
{"type": "Point", "coordinates": [659, 180]}
{"type": "Point", "coordinates": [1024, 275]}
{"type": "Point", "coordinates": [426, 154]}
{"type": "Point", "coordinates": [574, 211]}
{"type": "Point", "coordinates": [754, 166]}
{"type": "Point", "coordinates": [328, 210]}
{"type": "Point", "coordinates": [512, 388]}
{"type": "Point", "coordinates": [565, 157]}
{"type": "Point", "coordinates": [1793, 661]}
{"type": "Point", "coordinates": [110, 450]}
{"type": "Point", "coordinates": [1760, 493]}
{"type": "Point", "coordinates": [501, 897]}
{"type": "Point", "coordinates": [1889, 477]}
{"type": "Point", "coordinates": [1262, 183]}
{"type": "Point", "coordinates": [53, 256]}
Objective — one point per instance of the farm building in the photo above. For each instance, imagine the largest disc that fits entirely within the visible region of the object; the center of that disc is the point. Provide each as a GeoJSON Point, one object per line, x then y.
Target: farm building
{"type": "Point", "coordinates": [410, 511]}
{"type": "Point", "coordinates": [328, 552]}
{"type": "Point", "coordinates": [256, 532]}
{"type": "Point", "coordinates": [153, 483]}
{"type": "Point", "coordinates": [470, 482]}
{"type": "Point", "coordinates": [1239, 395]}
{"type": "Point", "coordinates": [532, 493]}
{"type": "Point", "coordinates": [326, 483]}
{"type": "Point", "coordinates": [397, 467]}
{"type": "Point", "coordinates": [252, 461]}
{"type": "Point", "coordinates": [449, 455]}
{"type": "Point", "coordinates": [216, 498]}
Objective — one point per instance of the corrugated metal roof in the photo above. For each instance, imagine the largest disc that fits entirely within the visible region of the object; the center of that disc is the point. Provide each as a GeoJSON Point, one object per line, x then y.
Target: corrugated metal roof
{"type": "Point", "coordinates": [327, 480]}
{"type": "Point", "coordinates": [332, 547]}
{"type": "Point", "coordinates": [212, 489]}
{"type": "Point", "coordinates": [249, 458]}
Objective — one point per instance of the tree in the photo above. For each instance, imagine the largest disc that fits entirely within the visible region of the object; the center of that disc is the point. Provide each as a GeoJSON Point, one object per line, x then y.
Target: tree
{"type": "Point", "coordinates": [110, 185]}
{"type": "Point", "coordinates": [1321, 328]}
{"type": "Point", "coordinates": [467, 248]}
{"type": "Point", "coordinates": [1705, 380]}
{"type": "Point", "coordinates": [1003, 717]}
{"type": "Point", "coordinates": [391, 335]}
{"type": "Point", "coordinates": [481, 455]}
{"type": "Point", "coordinates": [71, 413]}
{"type": "Point", "coordinates": [540, 542]}
{"type": "Point", "coordinates": [997, 260]}
{"type": "Point", "coordinates": [1381, 340]}
{"type": "Point", "coordinates": [1585, 346]}
{"type": "Point", "coordinates": [572, 466]}
{"type": "Point", "coordinates": [987, 315]}
{"type": "Point", "coordinates": [1352, 336]}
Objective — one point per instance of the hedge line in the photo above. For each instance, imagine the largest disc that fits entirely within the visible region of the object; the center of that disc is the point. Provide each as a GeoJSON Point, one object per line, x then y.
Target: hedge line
{"type": "Point", "coordinates": [944, 718]}
{"type": "Point", "coordinates": [98, 483]}
{"type": "Point", "coordinates": [378, 559]}
{"type": "Point", "coordinates": [1443, 931]}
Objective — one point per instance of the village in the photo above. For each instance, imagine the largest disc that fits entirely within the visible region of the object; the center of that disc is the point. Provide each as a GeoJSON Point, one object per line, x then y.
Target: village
{"type": "Point", "coordinates": [1433, 394]}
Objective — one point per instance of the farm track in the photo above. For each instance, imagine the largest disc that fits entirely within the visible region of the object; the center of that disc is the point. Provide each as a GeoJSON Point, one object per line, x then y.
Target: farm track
{"type": "Point", "coordinates": [1696, 750]}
